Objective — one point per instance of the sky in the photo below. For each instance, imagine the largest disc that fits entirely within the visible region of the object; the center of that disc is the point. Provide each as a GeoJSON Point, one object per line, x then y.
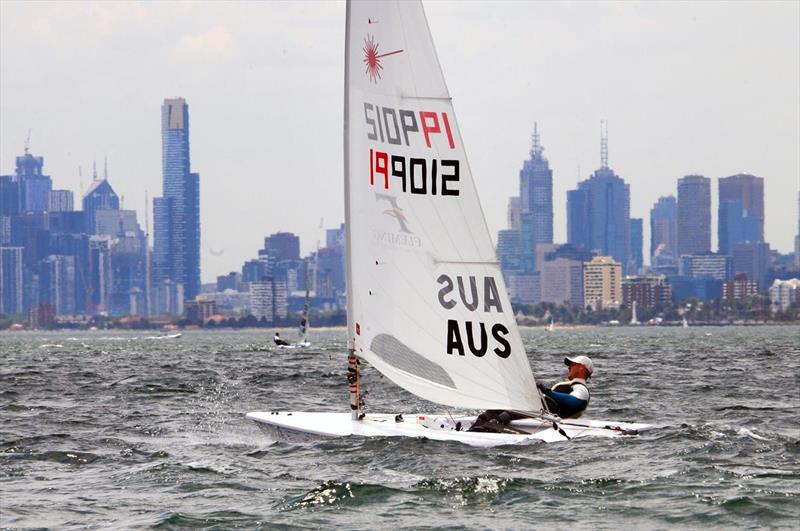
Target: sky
{"type": "Point", "coordinates": [709, 88]}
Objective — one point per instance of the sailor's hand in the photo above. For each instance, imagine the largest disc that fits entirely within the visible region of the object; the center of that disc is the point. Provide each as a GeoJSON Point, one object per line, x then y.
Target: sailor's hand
{"type": "Point", "coordinates": [541, 385]}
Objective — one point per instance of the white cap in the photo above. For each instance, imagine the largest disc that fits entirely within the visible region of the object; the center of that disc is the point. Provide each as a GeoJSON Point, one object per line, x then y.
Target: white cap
{"type": "Point", "coordinates": [581, 360]}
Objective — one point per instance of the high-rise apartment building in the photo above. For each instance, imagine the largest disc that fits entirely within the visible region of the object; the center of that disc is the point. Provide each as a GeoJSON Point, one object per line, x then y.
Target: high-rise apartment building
{"type": "Point", "coordinates": [602, 283]}
{"type": "Point", "coordinates": [508, 250]}
{"type": "Point", "coordinates": [561, 281]}
{"type": "Point", "coordinates": [176, 254]}
{"type": "Point", "coordinates": [57, 283]}
{"type": "Point", "coordinates": [741, 211]}
{"type": "Point", "coordinates": [784, 293]}
{"type": "Point", "coordinates": [9, 195]}
{"type": "Point", "coordinates": [636, 261]}
{"type": "Point", "coordinates": [709, 265]}
{"type": "Point", "coordinates": [664, 229]}
{"type": "Point", "coordinates": [647, 291]}
{"type": "Point", "coordinates": [694, 215]}
{"type": "Point", "coordinates": [268, 299]}
{"type": "Point", "coordinates": [752, 259]}
{"type": "Point", "coordinates": [598, 212]}
{"type": "Point", "coordinates": [11, 281]}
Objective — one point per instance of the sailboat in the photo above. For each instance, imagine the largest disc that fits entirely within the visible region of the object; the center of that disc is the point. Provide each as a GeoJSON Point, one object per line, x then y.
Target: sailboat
{"type": "Point", "coordinates": [685, 323]}
{"type": "Point", "coordinates": [303, 327]}
{"type": "Point", "coordinates": [426, 302]}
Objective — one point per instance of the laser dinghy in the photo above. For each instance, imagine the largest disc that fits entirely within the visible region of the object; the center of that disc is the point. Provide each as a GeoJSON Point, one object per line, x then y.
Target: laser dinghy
{"type": "Point", "coordinates": [426, 301]}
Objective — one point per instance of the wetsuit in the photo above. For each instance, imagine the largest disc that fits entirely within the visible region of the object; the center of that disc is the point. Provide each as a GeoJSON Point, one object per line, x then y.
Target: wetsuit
{"type": "Point", "coordinates": [567, 399]}
{"type": "Point", "coordinates": [280, 342]}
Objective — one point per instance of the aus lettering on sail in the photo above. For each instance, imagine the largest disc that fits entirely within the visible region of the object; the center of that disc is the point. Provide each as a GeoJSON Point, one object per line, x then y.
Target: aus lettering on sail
{"type": "Point", "coordinates": [478, 295]}
{"type": "Point", "coordinates": [414, 175]}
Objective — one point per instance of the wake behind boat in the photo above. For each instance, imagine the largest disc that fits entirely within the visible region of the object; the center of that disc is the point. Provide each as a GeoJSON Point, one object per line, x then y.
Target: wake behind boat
{"type": "Point", "coordinates": [426, 302]}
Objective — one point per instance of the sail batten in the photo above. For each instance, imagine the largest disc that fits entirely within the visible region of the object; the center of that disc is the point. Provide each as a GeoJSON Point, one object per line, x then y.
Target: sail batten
{"type": "Point", "coordinates": [427, 305]}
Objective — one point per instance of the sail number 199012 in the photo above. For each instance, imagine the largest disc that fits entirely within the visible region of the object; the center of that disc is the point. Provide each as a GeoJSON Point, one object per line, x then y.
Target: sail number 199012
{"type": "Point", "coordinates": [417, 174]}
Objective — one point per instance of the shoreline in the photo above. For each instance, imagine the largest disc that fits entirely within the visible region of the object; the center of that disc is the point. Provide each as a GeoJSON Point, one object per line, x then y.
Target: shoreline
{"type": "Point", "coordinates": [270, 330]}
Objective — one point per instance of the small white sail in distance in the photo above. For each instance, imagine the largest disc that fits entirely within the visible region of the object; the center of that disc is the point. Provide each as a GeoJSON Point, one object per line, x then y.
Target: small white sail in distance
{"type": "Point", "coordinates": [427, 304]}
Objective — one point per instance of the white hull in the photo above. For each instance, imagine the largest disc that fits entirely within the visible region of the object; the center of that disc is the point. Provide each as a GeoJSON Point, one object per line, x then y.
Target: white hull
{"type": "Point", "coordinates": [292, 426]}
{"type": "Point", "coordinates": [305, 344]}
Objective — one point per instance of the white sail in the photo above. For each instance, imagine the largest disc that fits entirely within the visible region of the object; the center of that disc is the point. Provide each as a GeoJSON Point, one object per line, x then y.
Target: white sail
{"type": "Point", "coordinates": [427, 305]}
{"type": "Point", "coordinates": [303, 329]}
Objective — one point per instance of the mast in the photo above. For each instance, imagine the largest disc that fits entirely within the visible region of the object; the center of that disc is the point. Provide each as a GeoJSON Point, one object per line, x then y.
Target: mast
{"type": "Point", "coordinates": [353, 375]}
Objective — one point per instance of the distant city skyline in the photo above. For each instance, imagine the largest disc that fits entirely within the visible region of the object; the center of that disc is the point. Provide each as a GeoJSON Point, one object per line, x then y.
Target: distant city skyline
{"type": "Point", "coordinates": [264, 81]}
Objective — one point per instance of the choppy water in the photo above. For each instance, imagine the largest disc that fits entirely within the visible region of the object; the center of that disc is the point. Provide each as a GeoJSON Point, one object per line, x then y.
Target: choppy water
{"type": "Point", "coordinates": [109, 430]}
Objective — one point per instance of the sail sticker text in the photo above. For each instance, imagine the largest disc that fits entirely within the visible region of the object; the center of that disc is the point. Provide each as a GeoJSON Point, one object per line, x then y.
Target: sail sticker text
{"type": "Point", "coordinates": [473, 335]}
{"type": "Point", "coordinates": [397, 124]}
{"type": "Point", "coordinates": [415, 175]}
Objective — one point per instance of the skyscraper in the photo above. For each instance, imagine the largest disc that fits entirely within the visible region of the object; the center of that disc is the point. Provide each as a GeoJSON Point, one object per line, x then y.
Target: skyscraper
{"type": "Point", "coordinates": [637, 260]}
{"type": "Point", "coordinates": [177, 213]}
{"type": "Point", "coordinates": [694, 215]}
{"type": "Point", "coordinates": [99, 197]}
{"type": "Point", "coordinates": [602, 283]}
{"type": "Point", "coordinates": [34, 187]}
{"type": "Point", "coordinates": [664, 228]}
{"type": "Point", "coordinates": [283, 245]}
{"type": "Point", "coordinates": [536, 202]}
{"type": "Point", "coordinates": [741, 211]}
{"type": "Point", "coordinates": [752, 259]}
{"type": "Point", "coordinates": [11, 280]}
{"type": "Point", "coordinates": [598, 212]}
{"type": "Point", "coordinates": [9, 196]}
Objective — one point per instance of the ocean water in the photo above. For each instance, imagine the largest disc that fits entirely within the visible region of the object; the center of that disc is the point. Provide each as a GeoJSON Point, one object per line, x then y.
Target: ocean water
{"type": "Point", "coordinates": [112, 429]}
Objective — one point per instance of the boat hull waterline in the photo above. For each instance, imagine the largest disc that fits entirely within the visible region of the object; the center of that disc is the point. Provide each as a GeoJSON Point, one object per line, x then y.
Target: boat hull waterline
{"type": "Point", "coordinates": [295, 426]}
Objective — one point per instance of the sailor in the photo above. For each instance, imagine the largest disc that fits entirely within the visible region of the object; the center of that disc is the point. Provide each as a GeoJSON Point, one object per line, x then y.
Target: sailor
{"type": "Point", "coordinates": [278, 341]}
{"type": "Point", "coordinates": [569, 399]}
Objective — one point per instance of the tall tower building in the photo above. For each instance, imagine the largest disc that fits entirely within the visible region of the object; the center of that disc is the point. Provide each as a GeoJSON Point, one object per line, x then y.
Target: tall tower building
{"type": "Point", "coordinates": [34, 187]}
{"type": "Point", "coordinates": [176, 214]}
{"type": "Point", "coordinates": [536, 201]}
{"type": "Point", "coordinates": [637, 242]}
{"type": "Point", "coordinates": [664, 228]}
{"type": "Point", "coordinates": [694, 215]}
{"type": "Point", "coordinates": [598, 212]}
{"type": "Point", "coordinates": [741, 211]}
{"type": "Point", "coordinates": [283, 245]}
{"type": "Point", "coordinates": [99, 197]}
{"type": "Point", "coordinates": [11, 281]}
{"type": "Point", "coordinates": [602, 283]}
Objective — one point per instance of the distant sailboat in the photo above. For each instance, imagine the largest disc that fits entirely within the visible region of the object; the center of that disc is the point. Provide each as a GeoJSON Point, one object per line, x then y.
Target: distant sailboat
{"type": "Point", "coordinates": [551, 325]}
{"type": "Point", "coordinates": [634, 320]}
{"type": "Point", "coordinates": [303, 329]}
{"type": "Point", "coordinates": [685, 323]}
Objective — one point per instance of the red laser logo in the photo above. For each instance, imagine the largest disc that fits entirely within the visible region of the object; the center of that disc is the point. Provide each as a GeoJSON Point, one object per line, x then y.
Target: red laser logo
{"type": "Point", "coordinates": [372, 58]}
